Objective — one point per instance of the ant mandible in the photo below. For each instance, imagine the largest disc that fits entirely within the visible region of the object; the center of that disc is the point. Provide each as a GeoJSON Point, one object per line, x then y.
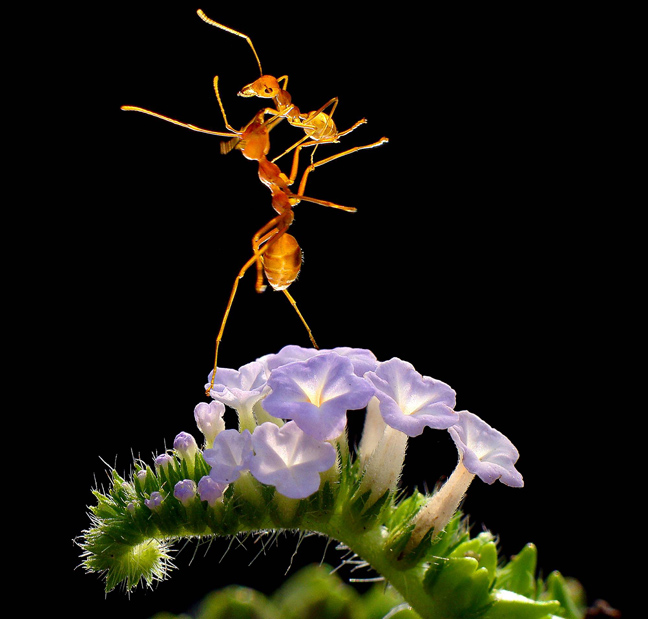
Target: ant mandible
{"type": "Point", "coordinates": [318, 125]}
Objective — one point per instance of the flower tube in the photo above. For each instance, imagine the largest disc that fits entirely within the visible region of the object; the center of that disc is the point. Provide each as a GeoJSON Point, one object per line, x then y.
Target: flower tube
{"type": "Point", "coordinates": [407, 403]}
{"type": "Point", "coordinates": [483, 452]}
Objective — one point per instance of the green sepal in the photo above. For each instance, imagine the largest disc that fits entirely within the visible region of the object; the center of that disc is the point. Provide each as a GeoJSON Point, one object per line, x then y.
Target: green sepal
{"type": "Point", "coordinates": [483, 549]}
{"type": "Point", "coordinates": [400, 527]}
{"type": "Point", "coordinates": [373, 512]}
{"type": "Point", "coordinates": [458, 586]}
{"type": "Point", "coordinates": [557, 588]}
{"type": "Point", "coordinates": [519, 574]}
{"type": "Point", "coordinates": [509, 605]}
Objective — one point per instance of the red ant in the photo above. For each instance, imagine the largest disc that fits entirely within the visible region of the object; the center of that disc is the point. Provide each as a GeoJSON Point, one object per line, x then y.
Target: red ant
{"type": "Point", "coordinates": [276, 253]}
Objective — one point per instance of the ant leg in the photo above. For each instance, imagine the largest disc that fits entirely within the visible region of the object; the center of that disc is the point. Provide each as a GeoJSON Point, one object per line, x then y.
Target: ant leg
{"type": "Point", "coordinates": [219, 337]}
{"type": "Point", "coordinates": [132, 108]}
{"type": "Point", "coordinates": [310, 168]}
{"type": "Point", "coordinates": [294, 304]}
{"type": "Point", "coordinates": [362, 121]}
{"type": "Point", "coordinates": [268, 232]}
{"type": "Point", "coordinates": [211, 22]}
{"type": "Point", "coordinates": [220, 104]}
{"type": "Point", "coordinates": [274, 233]}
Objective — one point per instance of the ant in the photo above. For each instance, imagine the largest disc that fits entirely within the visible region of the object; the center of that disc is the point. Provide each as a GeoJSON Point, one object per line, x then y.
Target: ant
{"type": "Point", "coordinates": [318, 125]}
{"type": "Point", "coordinates": [276, 253]}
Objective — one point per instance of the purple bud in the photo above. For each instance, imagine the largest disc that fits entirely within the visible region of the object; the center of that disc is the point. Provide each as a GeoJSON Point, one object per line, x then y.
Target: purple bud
{"type": "Point", "coordinates": [209, 419]}
{"type": "Point", "coordinates": [186, 446]}
{"type": "Point", "coordinates": [163, 461]}
{"type": "Point", "coordinates": [185, 491]}
{"type": "Point", "coordinates": [210, 490]}
{"type": "Point", "coordinates": [154, 502]}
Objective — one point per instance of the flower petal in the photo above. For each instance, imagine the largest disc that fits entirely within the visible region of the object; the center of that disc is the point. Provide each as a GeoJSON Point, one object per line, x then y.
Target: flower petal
{"type": "Point", "coordinates": [363, 360]}
{"type": "Point", "coordinates": [410, 402]}
{"type": "Point", "coordinates": [229, 456]}
{"type": "Point", "coordinates": [317, 393]}
{"type": "Point", "coordinates": [240, 388]}
{"type": "Point", "coordinates": [485, 451]}
{"type": "Point", "coordinates": [289, 459]}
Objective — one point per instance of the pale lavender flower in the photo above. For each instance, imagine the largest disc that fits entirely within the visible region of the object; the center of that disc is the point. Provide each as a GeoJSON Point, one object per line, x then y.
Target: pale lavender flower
{"type": "Point", "coordinates": [240, 389]}
{"type": "Point", "coordinates": [185, 491]}
{"type": "Point", "coordinates": [485, 451]}
{"type": "Point", "coordinates": [363, 360]}
{"type": "Point", "coordinates": [410, 402]}
{"type": "Point", "coordinates": [209, 419]}
{"type": "Point", "coordinates": [229, 456]}
{"type": "Point", "coordinates": [154, 502]}
{"type": "Point", "coordinates": [210, 490]}
{"type": "Point", "coordinates": [317, 393]}
{"type": "Point", "coordinates": [289, 459]}
{"type": "Point", "coordinates": [186, 446]}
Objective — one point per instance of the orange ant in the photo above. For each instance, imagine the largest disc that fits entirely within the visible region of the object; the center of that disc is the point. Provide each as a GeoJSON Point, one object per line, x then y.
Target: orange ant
{"type": "Point", "coordinates": [318, 125]}
{"type": "Point", "coordinates": [276, 253]}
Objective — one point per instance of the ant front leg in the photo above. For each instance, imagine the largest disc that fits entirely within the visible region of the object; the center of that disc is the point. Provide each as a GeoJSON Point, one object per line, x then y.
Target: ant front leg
{"type": "Point", "coordinates": [312, 166]}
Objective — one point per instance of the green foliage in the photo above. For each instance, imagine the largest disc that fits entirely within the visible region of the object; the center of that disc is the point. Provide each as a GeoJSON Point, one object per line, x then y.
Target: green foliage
{"type": "Point", "coordinates": [312, 593]}
{"type": "Point", "coordinates": [454, 576]}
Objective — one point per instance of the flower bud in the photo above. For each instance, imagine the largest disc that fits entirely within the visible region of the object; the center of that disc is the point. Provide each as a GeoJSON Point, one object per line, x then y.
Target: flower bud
{"type": "Point", "coordinates": [185, 491]}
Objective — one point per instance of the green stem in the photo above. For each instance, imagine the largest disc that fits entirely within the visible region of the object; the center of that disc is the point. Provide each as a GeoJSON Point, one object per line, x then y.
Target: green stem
{"type": "Point", "coordinates": [370, 546]}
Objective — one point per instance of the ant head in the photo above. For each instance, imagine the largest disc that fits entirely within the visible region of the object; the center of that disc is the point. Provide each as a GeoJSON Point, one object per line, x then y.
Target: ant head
{"type": "Point", "coordinates": [265, 87]}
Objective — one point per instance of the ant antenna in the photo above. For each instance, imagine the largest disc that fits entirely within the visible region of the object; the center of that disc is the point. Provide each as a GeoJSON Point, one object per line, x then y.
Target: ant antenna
{"type": "Point", "coordinates": [211, 22]}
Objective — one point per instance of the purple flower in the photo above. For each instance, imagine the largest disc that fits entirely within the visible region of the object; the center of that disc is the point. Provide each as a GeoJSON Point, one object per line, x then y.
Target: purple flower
{"type": "Point", "coordinates": [186, 446]}
{"type": "Point", "coordinates": [362, 359]}
{"type": "Point", "coordinates": [229, 456]}
{"type": "Point", "coordinates": [154, 502]}
{"type": "Point", "coordinates": [240, 388]}
{"type": "Point", "coordinates": [408, 401]}
{"type": "Point", "coordinates": [317, 393]}
{"type": "Point", "coordinates": [209, 419]}
{"type": "Point", "coordinates": [289, 459]}
{"type": "Point", "coordinates": [485, 452]}
{"type": "Point", "coordinates": [210, 490]}
{"type": "Point", "coordinates": [185, 491]}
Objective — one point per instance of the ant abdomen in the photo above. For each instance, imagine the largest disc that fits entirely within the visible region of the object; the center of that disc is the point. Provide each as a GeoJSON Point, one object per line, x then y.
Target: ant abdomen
{"type": "Point", "coordinates": [282, 261]}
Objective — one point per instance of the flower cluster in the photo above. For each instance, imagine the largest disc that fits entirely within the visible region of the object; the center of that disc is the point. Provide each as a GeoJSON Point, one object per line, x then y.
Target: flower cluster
{"type": "Point", "coordinates": [292, 409]}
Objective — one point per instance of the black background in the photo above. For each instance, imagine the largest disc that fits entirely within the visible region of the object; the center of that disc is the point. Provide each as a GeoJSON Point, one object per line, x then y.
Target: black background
{"type": "Point", "coordinates": [479, 252]}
